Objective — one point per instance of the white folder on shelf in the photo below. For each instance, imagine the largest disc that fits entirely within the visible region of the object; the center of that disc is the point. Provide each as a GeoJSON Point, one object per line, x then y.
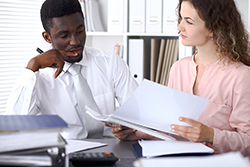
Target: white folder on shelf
{"type": "Point", "coordinates": [136, 58]}
{"type": "Point", "coordinates": [153, 16]}
{"type": "Point", "coordinates": [170, 17]}
{"type": "Point", "coordinates": [137, 15]}
{"type": "Point", "coordinates": [115, 15]}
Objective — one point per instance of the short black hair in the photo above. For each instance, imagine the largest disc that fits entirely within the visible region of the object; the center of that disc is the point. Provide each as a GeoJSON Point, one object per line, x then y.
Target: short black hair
{"type": "Point", "coordinates": [57, 8]}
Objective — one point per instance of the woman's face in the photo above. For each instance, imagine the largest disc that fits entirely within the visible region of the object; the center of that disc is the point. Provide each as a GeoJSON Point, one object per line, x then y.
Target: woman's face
{"type": "Point", "coordinates": [192, 27]}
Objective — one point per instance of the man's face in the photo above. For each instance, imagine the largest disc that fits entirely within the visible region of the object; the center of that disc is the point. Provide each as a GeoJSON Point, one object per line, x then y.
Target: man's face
{"type": "Point", "coordinates": [68, 33]}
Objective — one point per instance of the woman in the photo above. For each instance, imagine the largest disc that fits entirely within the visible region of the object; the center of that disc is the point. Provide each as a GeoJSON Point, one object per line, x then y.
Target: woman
{"type": "Point", "coordinates": [219, 71]}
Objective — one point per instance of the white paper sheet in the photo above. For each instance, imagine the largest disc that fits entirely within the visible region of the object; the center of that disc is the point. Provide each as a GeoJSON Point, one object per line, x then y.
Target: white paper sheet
{"type": "Point", "coordinates": [232, 159]}
{"type": "Point", "coordinates": [78, 145]}
{"type": "Point", "coordinates": [152, 148]}
{"type": "Point", "coordinates": [157, 106]}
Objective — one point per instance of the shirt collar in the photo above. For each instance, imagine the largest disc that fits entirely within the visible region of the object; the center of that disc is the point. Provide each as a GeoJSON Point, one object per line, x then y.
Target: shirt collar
{"type": "Point", "coordinates": [84, 62]}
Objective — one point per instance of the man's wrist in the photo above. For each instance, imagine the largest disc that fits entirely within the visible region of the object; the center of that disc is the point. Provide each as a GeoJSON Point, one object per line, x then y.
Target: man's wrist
{"type": "Point", "coordinates": [32, 65]}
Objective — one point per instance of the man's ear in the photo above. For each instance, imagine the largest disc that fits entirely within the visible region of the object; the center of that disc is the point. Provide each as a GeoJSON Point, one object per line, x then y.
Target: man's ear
{"type": "Point", "coordinates": [47, 37]}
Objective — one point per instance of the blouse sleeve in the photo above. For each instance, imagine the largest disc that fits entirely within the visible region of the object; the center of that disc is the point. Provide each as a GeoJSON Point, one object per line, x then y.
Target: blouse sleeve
{"type": "Point", "coordinates": [238, 140]}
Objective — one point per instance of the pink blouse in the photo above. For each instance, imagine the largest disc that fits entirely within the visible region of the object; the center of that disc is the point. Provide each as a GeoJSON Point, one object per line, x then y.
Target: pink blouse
{"type": "Point", "coordinates": [227, 85]}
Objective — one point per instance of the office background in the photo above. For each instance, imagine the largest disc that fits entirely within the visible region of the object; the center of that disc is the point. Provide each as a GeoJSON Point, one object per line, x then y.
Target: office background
{"type": "Point", "coordinates": [21, 28]}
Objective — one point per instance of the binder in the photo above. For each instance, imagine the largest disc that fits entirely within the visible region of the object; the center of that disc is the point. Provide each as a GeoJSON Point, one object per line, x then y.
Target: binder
{"type": "Point", "coordinates": [155, 47]}
{"type": "Point", "coordinates": [160, 61]}
{"type": "Point", "coordinates": [116, 16]}
{"type": "Point", "coordinates": [94, 17]}
{"type": "Point", "coordinates": [14, 123]}
{"type": "Point", "coordinates": [165, 62]}
{"type": "Point", "coordinates": [137, 16]}
{"type": "Point", "coordinates": [32, 149]}
{"type": "Point", "coordinates": [173, 59]}
{"type": "Point", "coordinates": [170, 17]}
{"type": "Point", "coordinates": [136, 58]}
{"type": "Point", "coordinates": [153, 16]}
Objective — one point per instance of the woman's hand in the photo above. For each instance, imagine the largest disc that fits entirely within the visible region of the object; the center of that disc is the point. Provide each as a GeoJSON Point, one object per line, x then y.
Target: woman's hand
{"type": "Point", "coordinates": [198, 132]}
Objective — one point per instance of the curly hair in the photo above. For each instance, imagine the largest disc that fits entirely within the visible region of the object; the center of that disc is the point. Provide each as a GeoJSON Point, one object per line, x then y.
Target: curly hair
{"type": "Point", "coordinates": [223, 19]}
{"type": "Point", "coordinates": [57, 8]}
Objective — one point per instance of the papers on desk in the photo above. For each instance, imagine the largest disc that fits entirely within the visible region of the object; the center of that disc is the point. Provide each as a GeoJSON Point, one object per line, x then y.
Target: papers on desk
{"type": "Point", "coordinates": [153, 108]}
{"type": "Point", "coordinates": [152, 148]}
{"type": "Point", "coordinates": [79, 145]}
{"type": "Point", "coordinates": [232, 159]}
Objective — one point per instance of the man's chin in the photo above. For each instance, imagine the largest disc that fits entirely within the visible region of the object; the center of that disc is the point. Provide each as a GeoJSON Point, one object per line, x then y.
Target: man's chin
{"type": "Point", "coordinates": [73, 59]}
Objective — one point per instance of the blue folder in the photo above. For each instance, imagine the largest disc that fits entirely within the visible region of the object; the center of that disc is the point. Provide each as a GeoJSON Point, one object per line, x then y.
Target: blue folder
{"type": "Point", "coordinates": [30, 122]}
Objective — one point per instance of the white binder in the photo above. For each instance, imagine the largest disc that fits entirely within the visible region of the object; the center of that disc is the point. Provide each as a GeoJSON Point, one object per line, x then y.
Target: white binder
{"type": "Point", "coordinates": [137, 15]}
{"type": "Point", "coordinates": [136, 58]}
{"type": "Point", "coordinates": [115, 15]}
{"type": "Point", "coordinates": [153, 16]}
{"type": "Point", "coordinates": [170, 17]}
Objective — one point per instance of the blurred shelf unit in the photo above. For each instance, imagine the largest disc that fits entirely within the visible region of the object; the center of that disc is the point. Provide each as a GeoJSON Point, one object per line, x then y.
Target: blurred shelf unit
{"type": "Point", "coordinates": [127, 20]}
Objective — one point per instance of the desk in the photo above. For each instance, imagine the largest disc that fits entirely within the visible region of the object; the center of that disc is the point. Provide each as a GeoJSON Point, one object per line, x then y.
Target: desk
{"type": "Point", "coordinates": [122, 150]}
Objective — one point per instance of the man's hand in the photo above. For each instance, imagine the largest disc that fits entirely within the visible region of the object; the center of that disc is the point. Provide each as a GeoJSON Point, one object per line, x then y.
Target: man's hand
{"type": "Point", "coordinates": [198, 132]}
{"type": "Point", "coordinates": [128, 134]}
{"type": "Point", "coordinates": [49, 59]}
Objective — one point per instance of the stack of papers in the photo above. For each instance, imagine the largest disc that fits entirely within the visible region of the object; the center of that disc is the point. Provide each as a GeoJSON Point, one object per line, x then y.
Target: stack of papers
{"type": "Point", "coordinates": [32, 140]}
{"type": "Point", "coordinates": [153, 148]}
{"type": "Point", "coordinates": [80, 145]}
{"type": "Point", "coordinates": [232, 159]}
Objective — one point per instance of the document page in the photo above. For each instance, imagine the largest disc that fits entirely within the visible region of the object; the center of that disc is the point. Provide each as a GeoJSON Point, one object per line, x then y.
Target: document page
{"type": "Point", "coordinates": [158, 107]}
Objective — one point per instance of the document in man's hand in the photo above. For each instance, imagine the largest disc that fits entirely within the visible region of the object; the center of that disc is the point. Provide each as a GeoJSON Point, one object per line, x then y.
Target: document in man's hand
{"type": "Point", "coordinates": [153, 108]}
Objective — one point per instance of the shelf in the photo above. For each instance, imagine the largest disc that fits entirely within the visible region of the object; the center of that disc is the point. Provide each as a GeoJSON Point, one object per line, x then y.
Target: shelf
{"type": "Point", "coordinates": [106, 34]}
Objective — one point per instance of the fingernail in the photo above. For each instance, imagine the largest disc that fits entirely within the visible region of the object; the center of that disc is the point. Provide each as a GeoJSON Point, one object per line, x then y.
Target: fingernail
{"type": "Point", "coordinates": [172, 126]}
{"type": "Point", "coordinates": [180, 119]}
{"type": "Point", "coordinates": [173, 130]}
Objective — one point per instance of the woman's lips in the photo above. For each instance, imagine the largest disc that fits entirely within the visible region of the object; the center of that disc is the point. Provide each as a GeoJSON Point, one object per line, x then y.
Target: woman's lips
{"type": "Point", "coordinates": [183, 36]}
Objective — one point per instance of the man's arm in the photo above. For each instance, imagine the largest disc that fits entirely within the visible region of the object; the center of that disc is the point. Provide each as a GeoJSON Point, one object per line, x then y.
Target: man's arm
{"type": "Point", "coordinates": [24, 97]}
{"type": "Point", "coordinates": [52, 58]}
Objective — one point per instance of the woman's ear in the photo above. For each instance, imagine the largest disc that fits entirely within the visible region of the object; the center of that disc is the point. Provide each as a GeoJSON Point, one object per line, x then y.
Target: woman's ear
{"type": "Point", "coordinates": [47, 37]}
{"type": "Point", "coordinates": [211, 34]}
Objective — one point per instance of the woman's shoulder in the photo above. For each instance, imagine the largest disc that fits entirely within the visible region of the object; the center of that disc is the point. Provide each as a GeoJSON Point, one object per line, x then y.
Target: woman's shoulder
{"type": "Point", "coordinates": [186, 61]}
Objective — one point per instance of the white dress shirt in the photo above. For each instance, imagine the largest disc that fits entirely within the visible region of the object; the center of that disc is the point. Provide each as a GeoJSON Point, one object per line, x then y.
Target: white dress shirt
{"type": "Point", "coordinates": [40, 93]}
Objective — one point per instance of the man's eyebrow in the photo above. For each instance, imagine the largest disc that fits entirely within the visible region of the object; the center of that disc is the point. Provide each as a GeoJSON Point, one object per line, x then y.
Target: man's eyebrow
{"type": "Point", "coordinates": [66, 31]}
{"type": "Point", "coordinates": [63, 31]}
{"type": "Point", "coordinates": [80, 26]}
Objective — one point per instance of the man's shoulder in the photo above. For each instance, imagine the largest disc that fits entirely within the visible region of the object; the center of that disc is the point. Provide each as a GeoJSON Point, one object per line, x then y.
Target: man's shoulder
{"type": "Point", "coordinates": [95, 52]}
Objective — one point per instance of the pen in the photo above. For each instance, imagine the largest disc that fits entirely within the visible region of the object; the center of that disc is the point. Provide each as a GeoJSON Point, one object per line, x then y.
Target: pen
{"type": "Point", "coordinates": [40, 51]}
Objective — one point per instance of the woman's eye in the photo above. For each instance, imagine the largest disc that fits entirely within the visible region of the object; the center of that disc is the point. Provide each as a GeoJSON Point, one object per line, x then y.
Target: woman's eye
{"type": "Point", "coordinates": [189, 22]}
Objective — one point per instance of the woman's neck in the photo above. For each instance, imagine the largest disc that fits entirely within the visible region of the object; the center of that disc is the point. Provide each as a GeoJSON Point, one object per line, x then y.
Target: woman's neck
{"type": "Point", "coordinates": [206, 55]}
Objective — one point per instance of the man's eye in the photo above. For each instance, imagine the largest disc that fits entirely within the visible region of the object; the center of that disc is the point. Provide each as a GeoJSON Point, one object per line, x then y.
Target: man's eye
{"type": "Point", "coordinates": [80, 31]}
{"type": "Point", "coordinates": [64, 36]}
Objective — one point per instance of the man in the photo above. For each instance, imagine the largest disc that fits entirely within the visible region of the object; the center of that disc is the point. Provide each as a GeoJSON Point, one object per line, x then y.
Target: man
{"type": "Point", "coordinates": [46, 86]}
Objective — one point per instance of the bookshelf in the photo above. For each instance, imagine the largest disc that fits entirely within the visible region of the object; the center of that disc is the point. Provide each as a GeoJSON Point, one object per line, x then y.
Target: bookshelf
{"type": "Point", "coordinates": [106, 40]}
